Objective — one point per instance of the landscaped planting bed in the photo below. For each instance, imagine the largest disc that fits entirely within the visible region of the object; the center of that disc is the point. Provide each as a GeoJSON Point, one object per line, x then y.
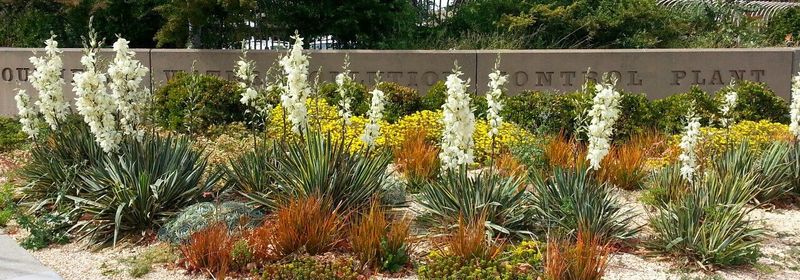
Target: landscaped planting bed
{"type": "Point", "coordinates": [286, 179]}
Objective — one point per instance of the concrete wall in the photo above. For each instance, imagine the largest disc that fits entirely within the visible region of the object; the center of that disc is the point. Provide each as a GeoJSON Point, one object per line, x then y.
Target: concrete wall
{"type": "Point", "coordinates": [656, 72]}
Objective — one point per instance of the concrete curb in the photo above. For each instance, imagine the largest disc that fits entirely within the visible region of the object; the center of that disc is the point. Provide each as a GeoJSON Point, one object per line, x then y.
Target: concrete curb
{"type": "Point", "coordinates": [17, 264]}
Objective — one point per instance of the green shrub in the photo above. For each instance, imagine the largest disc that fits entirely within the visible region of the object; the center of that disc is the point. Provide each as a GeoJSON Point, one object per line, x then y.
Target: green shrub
{"type": "Point", "coordinates": [638, 116]}
{"type": "Point", "coordinates": [204, 214]}
{"type": "Point", "coordinates": [142, 187]}
{"type": "Point", "coordinates": [49, 228]}
{"type": "Point", "coordinates": [56, 163]}
{"type": "Point", "coordinates": [756, 102]}
{"type": "Point", "coordinates": [672, 110]}
{"type": "Point", "coordinates": [709, 225]}
{"type": "Point", "coordinates": [435, 97]}
{"type": "Point", "coordinates": [311, 268]}
{"type": "Point", "coordinates": [325, 168]}
{"type": "Point", "coordinates": [545, 112]}
{"type": "Point", "coordinates": [455, 196]}
{"type": "Point", "coordinates": [11, 135]}
{"type": "Point", "coordinates": [360, 97]}
{"type": "Point", "coordinates": [529, 153]}
{"type": "Point", "coordinates": [400, 101]}
{"type": "Point", "coordinates": [192, 102]}
{"type": "Point", "coordinates": [572, 198]}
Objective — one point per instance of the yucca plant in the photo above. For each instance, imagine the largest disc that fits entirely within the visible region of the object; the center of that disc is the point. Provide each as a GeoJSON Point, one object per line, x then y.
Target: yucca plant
{"type": "Point", "coordinates": [250, 174]}
{"type": "Point", "coordinates": [665, 185]}
{"type": "Point", "coordinates": [572, 199]}
{"type": "Point", "coordinates": [140, 188]}
{"type": "Point", "coordinates": [457, 195]}
{"type": "Point", "coordinates": [774, 173]}
{"type": "Point", "coordinates": [320, 167]}
{"type": "Point", "coordinates": [56, 162]}
{"type": "Point", "coordinates": [771, 174]}
{"type": "Point", "coordinates": [793, 160]}
{"type": "Point", "coordinates": [709, 225]}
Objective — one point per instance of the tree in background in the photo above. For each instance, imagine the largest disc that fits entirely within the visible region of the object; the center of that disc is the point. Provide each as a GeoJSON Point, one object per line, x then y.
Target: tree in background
{"type": "Point", "coordinates": [207, 23]}
{"type": "Point", "coordinates": [34, 20]}
{"type": "Point", "coordinates": [352, 24]}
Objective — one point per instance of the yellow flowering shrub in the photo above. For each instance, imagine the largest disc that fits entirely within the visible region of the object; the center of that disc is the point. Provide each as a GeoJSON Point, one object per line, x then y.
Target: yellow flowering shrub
{"type": "Point", "coordinates": [323, 117]}
{"type": "Point", "coordinates": [759, 135]}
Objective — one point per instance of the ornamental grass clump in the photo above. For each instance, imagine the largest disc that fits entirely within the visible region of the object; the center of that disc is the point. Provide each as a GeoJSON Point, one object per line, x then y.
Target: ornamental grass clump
{"type": "Point", "coordinates": [417, 159]}
{"type": "Point", "coordinates": [378, 242]}
{"type": "Point", "coordinates": [709, 224]}
{"type": "Point", "coordinates": [306, 225]}
{"type": "Point", "coordinates": [572, 199]}
{"type": "Point", "coordinates": [624, 167]}
{"type": "Point", "coordinates": [455, 196]}
{"type": "Point", "coordinates": [585, 258]}
{"type": "Point", "coordinates": [209, 251]}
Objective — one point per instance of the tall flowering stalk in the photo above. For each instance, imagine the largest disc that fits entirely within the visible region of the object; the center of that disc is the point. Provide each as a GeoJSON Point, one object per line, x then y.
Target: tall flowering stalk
{"type": "Point", "coordinates": [93, 101]}
{"type": "Point", "coordinates": [46, 79]}
{"type": "Point", "coordinates": [493, 99]}
{"type": "Point", "coordinates": [689, 140]}
{"type": "Point", "coordinates": [28, 116]}
{"type": "Point", "coordinates": [125, 81]}
{"type": "Point", "coordinates": [728, 105]}
{"type": "Point", "coordinates": [794, 108]}
{"type": "Point", "coordinates": [344, 82]}
{"type": "Point", "coordinates": [604, 114]}
{"type": "Point", "coordinates": [372, 130]}
{"type": "Point", "coordinates": [459, 123]}
{"type": "Point", "coordinates": [296, 89]}
{"type": "Point", "coordinates": [251, 96]}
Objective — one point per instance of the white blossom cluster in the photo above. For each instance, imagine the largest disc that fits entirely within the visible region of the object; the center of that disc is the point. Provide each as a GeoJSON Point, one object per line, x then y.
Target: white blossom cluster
{"type": "Point", "coordinates": [46, 79]}
{"type": "Point", "coordinates": [296, 90]}
{"type": "Point", "coordinates": [94, 103]}
{"type": "Point", "coordinates": [794, 108]}
{"type": "Point", "coordinates": [125, 81]}
{"type": "Point", "coordinates": [604, 113]}
{"type": "Point", "coordinates": [689, 140]}
{"type": "Point", "coordinates": [343, 83]}
{"type": "Point", "coordinates": [727, 107]}
{"type": "Point", "coordinates": [28, 116]}
{"type": "Point", "coordinates": [495, 105]}
{"type": "Point", "coordinates": [372, 130]}
{"type": "Point", "coordinates": [459, 124]}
